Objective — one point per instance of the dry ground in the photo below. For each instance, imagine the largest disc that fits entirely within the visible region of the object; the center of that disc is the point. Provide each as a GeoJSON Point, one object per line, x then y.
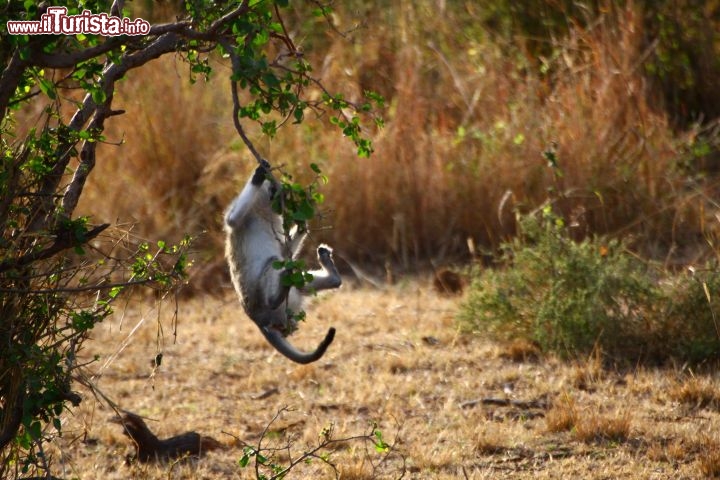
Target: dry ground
{"type": "Point", "coordinates": [452, 406]}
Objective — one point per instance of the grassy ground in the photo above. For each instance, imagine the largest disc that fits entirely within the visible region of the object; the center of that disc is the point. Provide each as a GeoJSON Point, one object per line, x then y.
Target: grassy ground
{"type": "Point", "coordinates": [451, 406]}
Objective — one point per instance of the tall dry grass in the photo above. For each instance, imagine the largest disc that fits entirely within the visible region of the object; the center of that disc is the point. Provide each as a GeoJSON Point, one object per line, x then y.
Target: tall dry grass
{"type": "Point", "coordinates": [467, 122]}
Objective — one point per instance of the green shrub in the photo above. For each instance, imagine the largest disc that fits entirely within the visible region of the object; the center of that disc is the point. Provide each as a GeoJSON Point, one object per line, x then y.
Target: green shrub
{"type": "Point", "coordinates": [690, 313]}
{"type": "Point", "coordinates": [571, 297]}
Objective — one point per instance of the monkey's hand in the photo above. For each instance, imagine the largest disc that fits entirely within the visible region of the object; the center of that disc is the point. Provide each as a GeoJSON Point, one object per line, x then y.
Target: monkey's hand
{"type": "Point", "coordinates": [324, 251]}
{"type": "Point", "coordinates": [261, 173]}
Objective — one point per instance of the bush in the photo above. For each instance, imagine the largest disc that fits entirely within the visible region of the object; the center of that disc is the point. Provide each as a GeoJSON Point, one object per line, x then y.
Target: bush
{"type": "Point", "coordinates": [572, 297]}
{"type": "Point", "coordinates": [690, 311]}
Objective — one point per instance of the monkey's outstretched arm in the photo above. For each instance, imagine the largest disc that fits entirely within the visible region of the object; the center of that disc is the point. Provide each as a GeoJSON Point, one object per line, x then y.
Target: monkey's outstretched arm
{"type": "Point", "coordinates": [247, 198]}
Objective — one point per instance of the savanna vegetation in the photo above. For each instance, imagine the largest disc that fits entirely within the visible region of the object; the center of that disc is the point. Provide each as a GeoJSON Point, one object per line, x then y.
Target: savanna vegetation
{"type": "Point", "coordinates": [561, 154]}
{"type": "Point", "coordinates": [477, 98]}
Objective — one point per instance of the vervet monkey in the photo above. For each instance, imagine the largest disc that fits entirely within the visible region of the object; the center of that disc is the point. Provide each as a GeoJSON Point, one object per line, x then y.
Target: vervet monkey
{"type": "Point", "coordinates": [255, 240]}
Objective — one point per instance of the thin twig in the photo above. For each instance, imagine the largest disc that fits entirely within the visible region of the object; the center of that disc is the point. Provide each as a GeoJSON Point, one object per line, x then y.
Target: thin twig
{"type": "Point", "coordinates": [86, 288]}
{"type": "Point", "coordinates": [236, 100]}
{"type": "Point", "coordinates": [331, 24]}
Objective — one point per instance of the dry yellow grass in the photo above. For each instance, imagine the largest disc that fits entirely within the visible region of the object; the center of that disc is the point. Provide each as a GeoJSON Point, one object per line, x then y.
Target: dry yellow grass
{"type": "Point", "coordinates": [452, 406]}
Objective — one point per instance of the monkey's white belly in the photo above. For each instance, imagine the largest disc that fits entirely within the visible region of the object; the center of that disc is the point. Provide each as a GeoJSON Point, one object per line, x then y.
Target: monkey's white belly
{"type": "Point", "coordinates": [261, 247]}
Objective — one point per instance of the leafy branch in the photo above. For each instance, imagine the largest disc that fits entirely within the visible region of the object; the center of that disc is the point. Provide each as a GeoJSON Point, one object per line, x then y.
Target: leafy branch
{"type": "Point", "coordinates": [268, 467]}
{"type": "Point", "coordinates": [278, 85]}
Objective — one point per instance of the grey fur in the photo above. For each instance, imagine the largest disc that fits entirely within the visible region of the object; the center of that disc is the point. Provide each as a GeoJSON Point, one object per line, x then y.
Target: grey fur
{"type": "Point", "coordinates": [255, 240]}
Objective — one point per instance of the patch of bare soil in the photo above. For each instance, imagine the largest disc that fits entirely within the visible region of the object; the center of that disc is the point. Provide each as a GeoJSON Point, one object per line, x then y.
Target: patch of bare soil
{"type": "Point", "coordinates": [400, 394]}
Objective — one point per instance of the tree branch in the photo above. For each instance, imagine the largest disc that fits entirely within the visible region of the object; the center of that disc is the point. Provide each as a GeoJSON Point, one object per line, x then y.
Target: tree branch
{"type": "Point", "coordinates": [9, 80]}
{"type": "Point", "coordinates": [184, 29]}
{"type": "Point", "coordinates": [169, 37]}
{"type": "Point", "coordinates": [87, 163]}
{"type": "Point", "coordinates": [236, 100]}
{"type": "Point", "coordinates": [13, 412]}
{"type": "Point", "coordinates": [86, 288]}
{"type": "Point", "coordinates": [116, 8]}
{"type": "Point", "coordinates": [62, 242]}
{"type": "Point", "coordinates": [242, 9]}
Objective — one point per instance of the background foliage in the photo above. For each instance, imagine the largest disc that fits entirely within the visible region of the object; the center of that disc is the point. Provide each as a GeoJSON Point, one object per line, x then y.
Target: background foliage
{"type": "Point", "coordinates": [575, 298]}
{"type": "Point", "coordinates": [475, 92]}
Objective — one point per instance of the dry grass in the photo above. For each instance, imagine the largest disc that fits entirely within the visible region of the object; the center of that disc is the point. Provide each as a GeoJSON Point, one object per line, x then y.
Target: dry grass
{"type": "Point", "coordinates": [613, 427]}
{"type": "Point", "coordinates": [562, 416]}
{"type": "Point", "coordinates": [710, 459]}
{"type": "Point", "coordinates": [221, 379]}
{"type": "Point", "coordinates": [697, 392]}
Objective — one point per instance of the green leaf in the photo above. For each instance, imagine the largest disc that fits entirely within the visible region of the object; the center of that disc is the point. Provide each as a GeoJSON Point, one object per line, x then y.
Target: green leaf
{"type": "Point", "coordinates": [304, 212]}
{"type": "Point", "coordinates": [299, 114]}
{"type": "Point", "coordinates": [269, 128]}
{"type": "Point", "coordinates": [83, 321]}
{"type": "Point", "coordinates": [270, 79]}
{"type": "Point", "coordinates": [24, 51]}
{"type": "Point", "coordinates": [261, 38]}
{"type": "Point", "coordinates": [98, 96]}
{"type": "Point", "coordinates": [24, 440]}
{"type": "Point", "coordinates": [47, 87]}
{"type": "Point", "coordinates": [380, 445]}
{"type": "Point", "coordinates": [84, 135]}
{"type": "Point", "coordinates": [35, 430]}
{"type": "Point", "coordinates": [321, 11]}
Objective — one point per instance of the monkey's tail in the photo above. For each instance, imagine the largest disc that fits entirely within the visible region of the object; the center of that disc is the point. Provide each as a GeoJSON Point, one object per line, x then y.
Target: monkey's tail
{"type": "Point", "coordinates": [283, 346]}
